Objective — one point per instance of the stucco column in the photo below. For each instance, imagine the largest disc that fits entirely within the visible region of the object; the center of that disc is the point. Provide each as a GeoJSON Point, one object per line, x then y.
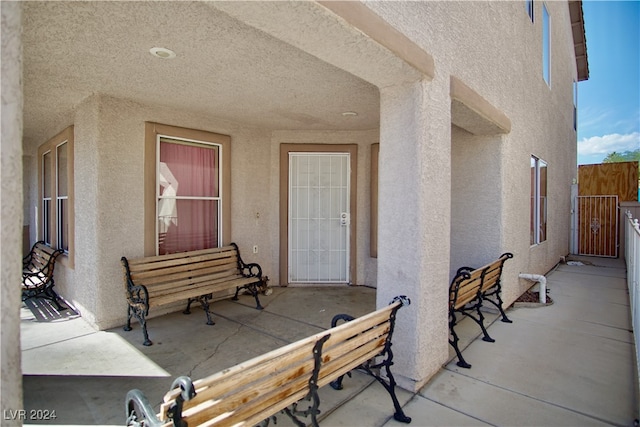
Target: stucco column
{"type": "Point", "coordinates": [414, 223]}
{"type": "Point", "coordinates": [12, 213]}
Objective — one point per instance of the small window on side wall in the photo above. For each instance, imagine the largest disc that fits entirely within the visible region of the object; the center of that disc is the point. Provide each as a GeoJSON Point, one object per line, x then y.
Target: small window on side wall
{"type": "Point", "coordinates": [538, 227]}
{"type": "Point", "coordinates": [546, 45]}
{"type": "Point", "coordinates": [529, 6]}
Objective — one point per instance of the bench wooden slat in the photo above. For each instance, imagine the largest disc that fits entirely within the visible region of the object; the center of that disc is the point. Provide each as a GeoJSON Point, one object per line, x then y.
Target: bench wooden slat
{"type": "Point", "coordinates": [222, 251]}
{"type": "Point", "coordinates": [180, 265]}
{"type": "Point", "coordinates": [173, 283]}
{"type": "Point", "coordinates": [298, 360]}
{"type": "Point", "coordinates": [176, 281]}
{"type": "Point", "coordinates": [267, 395]}
{"type": "Point", "coordinates": [183, 294]}
{"type": "Point", "coordinates": [146, 275]}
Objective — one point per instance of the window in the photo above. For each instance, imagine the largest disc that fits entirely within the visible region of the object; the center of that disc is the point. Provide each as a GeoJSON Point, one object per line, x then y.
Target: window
{"type": "Point", "coordinates": [55, 210]}
{"type": "Point", "coordinates": [546, 46]}
{"type": "Point", "coordinates": [188, 186]}
{"type": "Point", "coordinates": [538, 229]}
{"type": "Point", "coordinates": [187, 200]}
{"type": "Point", "coordinates": [529, 6]}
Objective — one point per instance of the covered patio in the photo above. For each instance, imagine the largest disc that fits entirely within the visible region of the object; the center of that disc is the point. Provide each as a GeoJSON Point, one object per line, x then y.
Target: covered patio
{"type": "Point", "coordinates": [569, 363]}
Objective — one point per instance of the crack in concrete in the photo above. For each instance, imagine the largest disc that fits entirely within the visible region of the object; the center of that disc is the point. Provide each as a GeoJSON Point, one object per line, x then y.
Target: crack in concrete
{"type": "Point", "coordinates": [215, 350]}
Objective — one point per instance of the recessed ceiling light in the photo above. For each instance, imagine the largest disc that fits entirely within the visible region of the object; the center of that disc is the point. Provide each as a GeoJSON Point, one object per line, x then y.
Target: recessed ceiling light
{"type": "Point", "coordinates": [349, 113]}
{"type": "Point", "coordinates": [162, 53]}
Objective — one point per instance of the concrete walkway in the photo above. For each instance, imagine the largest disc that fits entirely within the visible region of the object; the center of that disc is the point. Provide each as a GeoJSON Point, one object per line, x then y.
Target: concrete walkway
{"type": "Point", "coordinates": [566, 364]}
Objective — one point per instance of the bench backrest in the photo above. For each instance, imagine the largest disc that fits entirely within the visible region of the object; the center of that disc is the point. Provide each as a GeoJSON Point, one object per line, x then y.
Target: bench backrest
{"type": "Point", "coordinates": [252, 391]}
{"type": "Point", "coordinates": [468, 282]}
{"type": "Point", "coordinates": [42, 259]}
{"type": "Point", "coordinates": [465, 287]}
{"type": "Point", "coordinates": [164, 273]}
{"type": "Point", "coordinates": [493, 272]}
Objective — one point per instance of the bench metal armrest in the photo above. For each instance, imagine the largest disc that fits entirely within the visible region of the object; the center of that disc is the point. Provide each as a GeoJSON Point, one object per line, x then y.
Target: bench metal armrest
{"type": "Point", "coordinates": [136, 402]}
{"type": "Point", "coordinates": [139, 411]}
{"type": "Point", "coordinates": [465, 269]}
{"type": "Point", "coordinates": [138, 294]}
{"type": "Point", "coordinates": [248, 270]}
{"type": "Point", "coordinates": [252, 270]}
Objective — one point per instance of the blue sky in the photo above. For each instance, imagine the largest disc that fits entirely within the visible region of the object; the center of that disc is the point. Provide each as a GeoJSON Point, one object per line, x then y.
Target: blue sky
{"type": "Point", "coordinates": [609, 102]}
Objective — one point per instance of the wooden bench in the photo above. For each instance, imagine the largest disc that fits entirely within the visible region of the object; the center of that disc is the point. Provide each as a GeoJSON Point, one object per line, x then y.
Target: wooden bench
{"type": "Point", "coordinates": [467, 292]}
{"type": "Point", "coordinates": [186, 276]}
{"type": "Point", "coordinates": [37, 273]}
{"type": "Point", "coordinates": [284, 380]}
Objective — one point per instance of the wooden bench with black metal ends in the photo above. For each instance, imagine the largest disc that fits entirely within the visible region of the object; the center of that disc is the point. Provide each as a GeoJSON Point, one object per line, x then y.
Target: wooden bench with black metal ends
{"type": "Point", "coordinates": [284, 380]}
{"type": "Point", "coordinates": [37, 273]}
{"type": "Point", "coordinates": [186, 276]}
{"type": "Point", "coordinates": [467, 292]}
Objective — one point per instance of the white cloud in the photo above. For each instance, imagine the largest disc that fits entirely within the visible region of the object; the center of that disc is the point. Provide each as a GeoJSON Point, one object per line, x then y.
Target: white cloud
{"type": "Point", "coordinates": [608, 143]}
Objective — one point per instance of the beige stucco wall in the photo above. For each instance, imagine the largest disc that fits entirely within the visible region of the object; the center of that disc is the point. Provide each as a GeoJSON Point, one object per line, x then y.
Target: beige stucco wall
{"type": "Point", "coordinates": [476, 199]}
{"type": "Point", "coordinates": [11, 212]}
{"type": "Point", "coordinates": [501, 59]}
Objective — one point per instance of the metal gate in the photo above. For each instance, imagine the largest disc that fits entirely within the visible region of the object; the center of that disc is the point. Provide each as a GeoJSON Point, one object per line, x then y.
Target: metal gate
{"type": "Point", "coordinates": [598, 226]}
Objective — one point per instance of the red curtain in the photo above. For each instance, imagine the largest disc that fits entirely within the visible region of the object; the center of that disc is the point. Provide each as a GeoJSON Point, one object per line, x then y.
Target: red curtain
{"type": "Point", "coordinates": [188, 179]}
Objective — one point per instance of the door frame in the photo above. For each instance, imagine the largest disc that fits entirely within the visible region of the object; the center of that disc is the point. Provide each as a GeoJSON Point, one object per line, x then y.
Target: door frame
{"type": "Point", "coordinates": [285, 149]}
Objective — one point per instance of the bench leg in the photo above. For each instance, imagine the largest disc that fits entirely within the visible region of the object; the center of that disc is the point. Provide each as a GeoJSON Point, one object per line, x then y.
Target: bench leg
{"type": "Point", "coordinates": [479, 320]}
{"type": "Point", "coordinates": [497, 303]}
{"type": "Point", "coordinates": [147, 342]}
{"type": "Point", "coordinates": [127, 327]}
{"type": "Point", "coordinates": [140, 315]}
{"type": "Point", "coordinates": [204, 302]}
{"type": "Point", "coordinates": [253, 288]}
{"type": "Point", "coordinates": [389, 384]}
{"type": "Point", "coordinates": [454, 343]}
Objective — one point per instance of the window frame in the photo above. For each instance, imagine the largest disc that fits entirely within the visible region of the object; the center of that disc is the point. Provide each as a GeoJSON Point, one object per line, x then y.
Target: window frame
{"type": "Point", "coordinates": [529, 7]}
{"type": "Point", "coordinates": [53, 227]}
{"type": "Point", "coordinates": [539, 201]}
{"type": "Point", "coordinates": [546, 44]}
{"type": "Point", "coordinates": [153, 133]}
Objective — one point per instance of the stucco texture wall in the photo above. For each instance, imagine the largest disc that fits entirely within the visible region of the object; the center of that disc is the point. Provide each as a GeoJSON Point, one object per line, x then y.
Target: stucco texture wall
{"type": "Point", "coordinates": [109, 197]}
{"type": "Point", "coordinates": [501, 59]}
{"type": "Point", "coordinates": [11, 202]}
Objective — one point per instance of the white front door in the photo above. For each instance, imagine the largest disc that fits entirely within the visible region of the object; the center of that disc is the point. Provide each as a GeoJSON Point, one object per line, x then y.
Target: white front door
{"type": "Point", "coordinates": [319, 217]}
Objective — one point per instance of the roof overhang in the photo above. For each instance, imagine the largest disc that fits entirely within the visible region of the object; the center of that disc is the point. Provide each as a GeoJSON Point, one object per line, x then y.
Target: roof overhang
{"type": "Point", "coordinates": [579, 39]}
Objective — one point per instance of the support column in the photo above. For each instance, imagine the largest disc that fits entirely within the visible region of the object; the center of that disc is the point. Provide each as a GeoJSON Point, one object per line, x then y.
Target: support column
{"type": "Point", "coordinates": [414, 223]}
{"type": "Point", "coordinates": [12, 209]}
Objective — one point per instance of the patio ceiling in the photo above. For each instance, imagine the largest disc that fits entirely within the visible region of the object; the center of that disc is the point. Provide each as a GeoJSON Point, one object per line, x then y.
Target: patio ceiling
{"type": "Point", "coordinates": [223, 67]}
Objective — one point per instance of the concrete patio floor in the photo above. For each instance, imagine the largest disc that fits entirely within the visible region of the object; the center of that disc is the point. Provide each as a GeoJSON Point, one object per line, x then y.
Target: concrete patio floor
{"type": "Point", "coordinates": [566, 364]}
